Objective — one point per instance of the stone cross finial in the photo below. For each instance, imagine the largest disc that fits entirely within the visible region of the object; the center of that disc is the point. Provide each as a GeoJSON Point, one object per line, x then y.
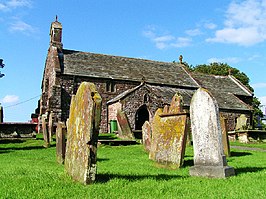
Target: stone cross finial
{"type": "Point", "coordinates": [181, 59]}
{"type": "Point", "coordinates": [229, 71]}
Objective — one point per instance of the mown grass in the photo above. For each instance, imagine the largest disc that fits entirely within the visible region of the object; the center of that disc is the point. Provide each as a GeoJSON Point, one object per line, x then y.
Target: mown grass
{"type": "Point", "coordinates": [27, 170]}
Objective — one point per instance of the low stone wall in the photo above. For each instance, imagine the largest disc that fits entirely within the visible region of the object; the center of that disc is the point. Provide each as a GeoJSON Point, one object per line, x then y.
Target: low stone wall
{"type": "Point", "coordinates": [17, 130]}
{"type": "Point", "coordinates": [246, 136]}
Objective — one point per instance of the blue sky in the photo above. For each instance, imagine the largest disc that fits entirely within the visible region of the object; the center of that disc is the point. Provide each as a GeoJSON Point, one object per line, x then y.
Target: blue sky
{"type": "Point", "coordinates": [229, 31]}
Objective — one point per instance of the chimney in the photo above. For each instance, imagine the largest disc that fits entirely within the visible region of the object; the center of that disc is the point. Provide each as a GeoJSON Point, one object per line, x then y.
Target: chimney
{"type": "Point", "coordinates": [56, 34]}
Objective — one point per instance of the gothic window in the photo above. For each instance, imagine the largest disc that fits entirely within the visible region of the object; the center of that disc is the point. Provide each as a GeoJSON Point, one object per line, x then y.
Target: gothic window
{"type": "Point", "coordinates": [110, 86]}
{"type": "Point", "coordinates": [146, 98]}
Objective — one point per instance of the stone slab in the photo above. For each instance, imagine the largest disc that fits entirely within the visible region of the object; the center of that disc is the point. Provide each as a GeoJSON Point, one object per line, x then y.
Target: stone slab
{"type": "Point", "coordinates": [207, 136]}
{"type": "Point", "coordinates": [60, 142]}
{"type": "Point", "coordinates": [82, 134]}
{"type": "Point", "coordinates": [124, 130]}
{"type": "Point", "coordinates": [169, 133]}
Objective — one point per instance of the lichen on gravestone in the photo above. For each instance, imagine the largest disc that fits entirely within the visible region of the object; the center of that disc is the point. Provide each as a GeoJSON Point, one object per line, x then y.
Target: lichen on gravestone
{"type": "Point", "coordinates": [169, 133]}
{"type": "Point", "coordinates": [209, 158]}
{"type": "Point", "coordinates": [82, 134]}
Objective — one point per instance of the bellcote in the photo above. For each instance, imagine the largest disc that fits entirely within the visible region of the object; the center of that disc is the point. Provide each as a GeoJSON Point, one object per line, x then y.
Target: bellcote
{"type": "Point", "coordinates": [56, 34]}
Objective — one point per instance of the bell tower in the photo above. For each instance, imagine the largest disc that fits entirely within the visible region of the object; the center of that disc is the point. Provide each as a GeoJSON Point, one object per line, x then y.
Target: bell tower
{"type": "Point", "coordinates": [56, 34]}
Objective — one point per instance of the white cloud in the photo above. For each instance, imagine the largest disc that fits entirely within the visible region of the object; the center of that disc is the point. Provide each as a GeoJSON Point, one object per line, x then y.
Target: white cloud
{"type": "Point", "coordinates": [232, 60]}
{"type": "Point", "coordinates": [21, 26]}
{"type": "Point", "coordinates": [194, 32]}
{"type": "Point", "coordinates": [259, 85]}
{"type": "Point", "coordinates": [164, 41]}
{"type": "Point", "coordinates": [210, 26]}
{"type": "Point", "coordinates": [8, 99]}
{"type": "Point", "coordinates": [13, 4]}
{"type": "Point", "coordinates": [245, 23]}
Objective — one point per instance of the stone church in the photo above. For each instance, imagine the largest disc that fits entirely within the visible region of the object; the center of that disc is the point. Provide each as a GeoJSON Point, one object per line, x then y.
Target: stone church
{"type": "Point", "coordinates": [137, 86]}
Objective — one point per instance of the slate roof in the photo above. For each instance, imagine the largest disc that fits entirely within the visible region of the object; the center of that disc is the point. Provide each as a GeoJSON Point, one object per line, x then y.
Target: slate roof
{"type": "Point", "coordinates": [124, 68]}
{"type": "Point", "coordinates": [225, 89]}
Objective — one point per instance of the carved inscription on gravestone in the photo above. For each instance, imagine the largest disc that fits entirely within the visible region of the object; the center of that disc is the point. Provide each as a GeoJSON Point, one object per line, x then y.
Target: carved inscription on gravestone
{"type": "Point", "coordinates": [82, 134]}
{"type": "Point", "coordinates": [169, 132]}
{"type": "Point", "coordinates": [209, 158]}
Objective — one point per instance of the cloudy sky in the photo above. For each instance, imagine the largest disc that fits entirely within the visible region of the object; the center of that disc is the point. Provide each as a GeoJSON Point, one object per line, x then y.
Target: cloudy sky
{"type": "Point", "coordinates": [229, 31]}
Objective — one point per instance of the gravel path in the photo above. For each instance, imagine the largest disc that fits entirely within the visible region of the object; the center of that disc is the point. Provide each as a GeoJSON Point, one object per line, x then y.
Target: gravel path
{"type": "Point", "coordinates": [248, 148]}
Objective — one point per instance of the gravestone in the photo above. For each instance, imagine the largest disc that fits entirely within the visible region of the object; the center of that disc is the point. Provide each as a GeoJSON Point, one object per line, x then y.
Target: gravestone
{"type": "Point", "coordinates": [225, 139]}
{"type": "Point", "coordinates": [209, 158]}
{"type": "Point", "coordinates": [82, 134]}
{"type": "Point", "coordinates": [1, 115]}
{"type": "Point", "coordinates": [60, 142]}
{"type": "Point", "coordinates": [169, 133]}
{"type": "Point", "coordinates": [146, 135]}
{"type": "Point", "coordinates": [241, 122]}
{"type": "Point", "coordinates": [45, 132]}
{"type": "Point", "coordinates": [124, 129]}
{"type": "Point", "coordinates": [51, 126]}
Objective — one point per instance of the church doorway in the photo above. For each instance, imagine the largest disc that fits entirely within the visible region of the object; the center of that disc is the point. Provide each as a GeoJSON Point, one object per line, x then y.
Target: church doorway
{"type": "Point", "coordinates": [141, 116]}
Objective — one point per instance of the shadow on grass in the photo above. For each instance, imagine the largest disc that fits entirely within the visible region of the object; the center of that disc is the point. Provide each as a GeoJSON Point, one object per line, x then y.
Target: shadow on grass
{"type": "Point", "coordinates": [104, 178]}
{"type": "Point", "coordinates": [238, 154]}
{"type": "Point", "coordinates": [11, 141]}
{"type": "Point", "coordinates": [102, 159]}
{"type": "Point", "coordinates": [24, 148]}
{"type": "Point", "coordinates": [248, 170]}
{"type": "Point", "coordinates": [188, 163]}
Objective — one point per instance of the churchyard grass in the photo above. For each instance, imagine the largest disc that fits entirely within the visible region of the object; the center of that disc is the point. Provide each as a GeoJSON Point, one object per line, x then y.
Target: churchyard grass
{"type": "Point", "coordinates": [27, 170]}
{"type": "Point", "coordinates": [261, 145]}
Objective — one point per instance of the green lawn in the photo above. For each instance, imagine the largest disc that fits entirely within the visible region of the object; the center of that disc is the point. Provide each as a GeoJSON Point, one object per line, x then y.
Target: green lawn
{"type": "Point", "coordinates": [27, 170]}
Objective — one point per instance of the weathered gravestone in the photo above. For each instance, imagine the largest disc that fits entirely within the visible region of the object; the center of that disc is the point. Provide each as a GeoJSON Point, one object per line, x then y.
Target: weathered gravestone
{"type": "Point", "coordinates": [169, 133]}
{"type": "Point", "coordinates": [225, 139]}
{"type": "Point", "coordinates": [124, 129]}
{"type": "Point", "coordinates": [209, 158]}
{"type": "Point", "coordinates": [82, 134]}
{"type": "Point", "coordinates": [241, 122]}
{"type": "Point", "coordinates": [146, 135]}
{"type": "Point", "coordinates": [60, 142]}
{"type": "Point", "coordinates": [45, 132]}
{"type": "Point", "coordinates": [51, 126]}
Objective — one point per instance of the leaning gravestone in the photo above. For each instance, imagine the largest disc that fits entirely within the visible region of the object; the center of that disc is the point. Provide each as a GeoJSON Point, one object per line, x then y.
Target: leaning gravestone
{"type": "Point", "coordinates": [82, 134]}
{"type": "Point", "coordinates": [209, 159]}
{"type": "Point", "coordinates": [169, 133]}
{"type": "Point", "coordinates": [124, 130]}
{"type": "Point", "coordinates": [146, 135]}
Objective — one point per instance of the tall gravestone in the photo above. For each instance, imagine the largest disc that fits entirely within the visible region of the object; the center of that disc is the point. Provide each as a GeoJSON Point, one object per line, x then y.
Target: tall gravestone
{"type": "Point", "coordinates": [82, 134]}
{"type": "Point", "coordinates": [209, 158]}
{"type": "Point", "coordinates": [60, 142]}
{"type": "Point", "coordinates": [51, 126]}
{"type": "Point", "coordinates": [45, 131]}
{"type": "Point", "coordinates": [146, 135]}
{"type": "Point", "coordinates": [169, 133]}
{"type": "Point", "coordinates": [225, 139]}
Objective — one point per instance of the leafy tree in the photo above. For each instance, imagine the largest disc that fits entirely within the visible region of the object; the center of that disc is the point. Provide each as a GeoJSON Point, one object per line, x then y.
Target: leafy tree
{"type": "Point", "coordinates": [1, 66]}
{"type": "Point", "coordinates": [224, 69]}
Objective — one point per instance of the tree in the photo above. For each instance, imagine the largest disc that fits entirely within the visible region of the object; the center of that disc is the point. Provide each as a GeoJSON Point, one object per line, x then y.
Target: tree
{"type": "Point", "coordinates": [2, 65]}
{"type": "Point", "coordinates": [224, 69]}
